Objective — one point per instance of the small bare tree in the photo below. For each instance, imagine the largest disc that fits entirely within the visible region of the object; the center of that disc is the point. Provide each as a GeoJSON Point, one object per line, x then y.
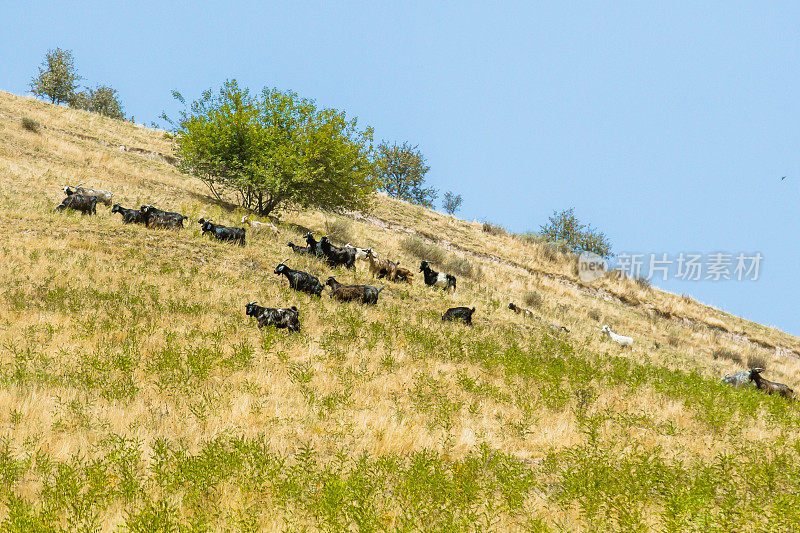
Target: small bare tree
{"type": "Point", "coordinates": [451, 202]}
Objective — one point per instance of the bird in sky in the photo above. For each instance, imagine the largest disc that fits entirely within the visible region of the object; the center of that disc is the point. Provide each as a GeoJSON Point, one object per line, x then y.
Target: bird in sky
{"type": "Point", "coordinates": [783, 178]}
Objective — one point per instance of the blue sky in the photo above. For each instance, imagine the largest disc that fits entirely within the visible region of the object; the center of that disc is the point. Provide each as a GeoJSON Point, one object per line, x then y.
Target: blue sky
{"type": "Point", "coordinates": [666, 125]}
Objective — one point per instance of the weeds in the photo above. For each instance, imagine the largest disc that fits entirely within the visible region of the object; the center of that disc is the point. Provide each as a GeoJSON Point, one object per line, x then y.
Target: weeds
{"type": "Point", "coordinates": [31, 124]}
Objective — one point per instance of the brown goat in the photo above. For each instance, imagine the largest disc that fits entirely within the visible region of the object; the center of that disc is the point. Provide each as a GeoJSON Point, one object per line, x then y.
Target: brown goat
{"type": "Point", "coordinates": [366, 293]}
{"type": "Point", "coordinates": [520, 310]}
{"type": "Point", "coordinates": [398, 273]}
{"type": "Point", "coordinates": [770, 387]}
{"type": "Point", "coordinates": [381, 267]}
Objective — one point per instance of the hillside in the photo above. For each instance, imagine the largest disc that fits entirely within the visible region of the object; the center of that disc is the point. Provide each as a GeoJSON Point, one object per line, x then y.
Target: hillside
{"type": "Point", "coordinates": [137, 395]}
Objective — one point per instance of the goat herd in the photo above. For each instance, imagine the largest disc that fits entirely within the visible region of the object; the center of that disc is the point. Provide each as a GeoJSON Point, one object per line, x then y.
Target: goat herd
{"type": "Point", "coordinates": [85, 201]}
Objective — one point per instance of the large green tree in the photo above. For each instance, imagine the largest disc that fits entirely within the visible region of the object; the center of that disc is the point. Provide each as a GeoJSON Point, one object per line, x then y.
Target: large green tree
{"type": "Point", "coordinates": [275, 149]}
{"type": "Point", "coordinates": [401, 169]}
{"type": "Point", "coordinates": [58, 78]}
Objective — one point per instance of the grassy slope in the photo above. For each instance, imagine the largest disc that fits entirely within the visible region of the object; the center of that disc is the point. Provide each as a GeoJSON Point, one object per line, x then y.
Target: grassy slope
{"type": "Point", "coordinates": [136, 393]}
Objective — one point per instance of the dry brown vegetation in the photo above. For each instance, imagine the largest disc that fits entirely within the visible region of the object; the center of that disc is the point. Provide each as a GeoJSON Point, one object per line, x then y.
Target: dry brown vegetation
{"type": "Point", "coordinates": [136, 393]}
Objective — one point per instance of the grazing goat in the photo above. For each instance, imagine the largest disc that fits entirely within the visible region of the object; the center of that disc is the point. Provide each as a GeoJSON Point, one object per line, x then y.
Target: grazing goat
{"type": "Point", "coordinates": [338, 256]}
{"type": "Point", "coordinates": [619, 339]}
{"type": "Point", "coordinates": [258, 227]}
{"type": "Point", "coordinates": [366, 293]}
{"type": "Point", "coordinates": [437, 279]}
{"type": "Point", "coordinates": [280, 317]}
{"type": "Point", "coordinates": [101, 195]}
{"type": "Point", "coordinates": [770, 387]}
{"type": "Point", "coordinates": [459, 313]}
{"type": "Point", "coordinates": [361, 253]}
{"type": "Point", "coordinates": [300, 281]}
{"type": "Point", "coordinates": [314, 247]}
{"type": "Point", "coordinates": [739, 379]}
{"type": "Point", "coordinates": [398, 273]}
{"type": "Point", "coordinates": [222, 233]}
{"type": "Point", "coordinates": [87, 205]}
{"type": "Point", "coordinates": [157, 218]}
{"type": "Point", "coordinates": [520, 310]}
{"type": "Point", "coordinates": [379, 267]}
{"type": "Point", "coordinates": [302, 250]}
{"type": "Point", "coordinates": [129, 216]}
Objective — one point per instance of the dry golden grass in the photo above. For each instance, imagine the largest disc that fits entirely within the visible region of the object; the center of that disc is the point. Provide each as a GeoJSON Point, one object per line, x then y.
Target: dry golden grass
{"type": "Point", "coordinates": [112, 330]}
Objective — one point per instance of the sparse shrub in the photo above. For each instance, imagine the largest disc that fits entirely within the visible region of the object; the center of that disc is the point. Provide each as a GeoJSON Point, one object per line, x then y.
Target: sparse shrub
{"type": "Point", "coordinates": [688, 299]}
{"type": "Point", "coordinates": [756, 361]}
{"type": "Point", "coordinates": [630, 298]}
{"type": "Point", "coordinates": [533, 299]}
{"type": "Point", "coordinates": [493, 229]}
{"type": "Point", "coordinates": [339, 229]}
{"type": "Point", "coordinates": [422, 250]}
{"type": "Point", "coordinates": [673, 339]}
{"type": "Point", "coordinates": [727, 355]}
{"type": "Point", "coordinates": [642, 282]}
{"type": "Point", "coordinates": [462, 267]}
{"type": "Point", "coordinates": [594, 314]}
{"type": "Point", "coordinates": [451, 202]}
{"type": "Point", "coordinates": [30, 124]}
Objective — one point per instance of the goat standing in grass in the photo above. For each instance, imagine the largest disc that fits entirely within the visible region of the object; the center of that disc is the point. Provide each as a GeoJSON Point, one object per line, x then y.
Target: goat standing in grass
{"type": "Point", "coordinates": [770, 387]}
{"type": "Point", "coordinates": [258, 227]}
{"type": "Point", "coordinates": [437, 279]}
{"type": "Point", "coordinates": [459, 313]}
{"type": "Point", "coordinates": [299, 280]}
{"type": "Point", "coordinates": [619, 339]}
{"type": "Point", "coordinates": [280, 317]}
{"type": "Point", "coordinates": [366, 293]}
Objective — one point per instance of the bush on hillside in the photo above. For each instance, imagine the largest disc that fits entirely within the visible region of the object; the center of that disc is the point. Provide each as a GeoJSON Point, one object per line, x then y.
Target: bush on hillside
{"type": "Point", "coordinates": [422, 250]}
{"type": "Point", "coordinates": [30, 124]}
{"type": "Point", "coordinates": [565, 226]}
{"type": "Point", "coordinates": [339, 229]}
{"type": "Point", "coordinates": [459, 266]}
{"type": "Point", "coordinates": [493, 229]}
{"type": "Point", "coordinates": [533, 299]}
{"type": "Point", "coordinates": [727, 355]}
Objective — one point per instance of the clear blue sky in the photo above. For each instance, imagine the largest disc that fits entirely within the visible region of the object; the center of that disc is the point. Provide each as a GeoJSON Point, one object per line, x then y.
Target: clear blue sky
{"type": "Point", "coordinates": [667, 125]}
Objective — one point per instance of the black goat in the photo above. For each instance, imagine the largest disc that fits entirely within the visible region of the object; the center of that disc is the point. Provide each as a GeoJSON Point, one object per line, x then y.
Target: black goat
{"type": "Point", "coordinates": [222, 233]}
{"type": "Point", "coordinates": [314, 247]}
{"type": "Point", "coordinates": [87, 205]}
{"type": "Point", "coordinates": [302, 250]}
{"type": "Point", "coordinates": [158, 218]}
{"type": "Point", "coordinates": [279, 317]}
{"type": "Point", "coordinates": [459, 313]}
{"type": "Point", "coordinates": [366, 293]}
{"type": "Point", "coordinates": [770, 387]}
{"type": "Point", "coordinates": [437, 279]}
{"type": "Point", "coordinates": [338, 256]}
{"type": "Point", "coordinates": [301, 281]}
{"type": "Point", "coordinates": [129, 216]}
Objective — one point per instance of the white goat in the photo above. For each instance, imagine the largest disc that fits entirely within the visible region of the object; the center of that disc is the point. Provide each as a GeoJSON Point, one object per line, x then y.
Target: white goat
{"type": "Point", "coordinates": [361, 253]}
{"type": "Point", "coordinates": [619, 339]}
{"type": "Point", "coordinates": [258, 227]}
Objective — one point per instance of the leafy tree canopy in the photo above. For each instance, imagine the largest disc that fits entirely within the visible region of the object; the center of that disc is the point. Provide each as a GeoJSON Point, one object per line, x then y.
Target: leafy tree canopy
{"type": "Point", "coordinates": [58, 78]}
{"type": "Point", "coordinates": [402, 169]}
{"type": "Point", "coordinates": [275, 149]}
{"type": "Point", "coordinates": [565, 226]}
{"type": "Point", "coordinates": [103, 100]}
